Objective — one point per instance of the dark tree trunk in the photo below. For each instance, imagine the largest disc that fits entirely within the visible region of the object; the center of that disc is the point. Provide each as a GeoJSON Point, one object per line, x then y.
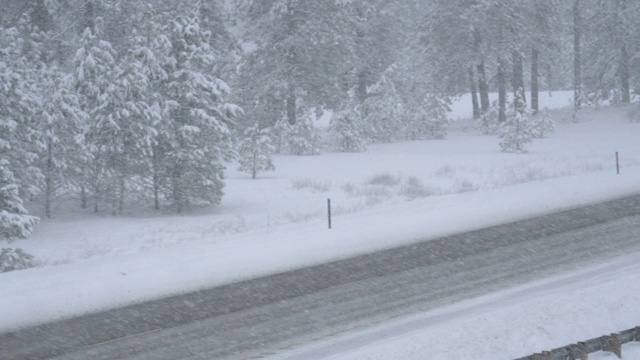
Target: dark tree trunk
{"type": "Point", "coordinates": [502, 91]}
{"type": "Point", "coordinates": [121, 193]}
{"type": "Point", "coordinates": [474, 95]}
{"type": "Point", "coordinates": [535, 88]}
{"type": "Point", "coordinates": [361, 88]}
{"type": "Point", "coordinates": [577, 33]}
{"type": "Point", "coordinates": [41, 17]}
{"type": "Point", "coordinates": [84, 202]}
{"type": "Point", "coordinates": [156, 179]}
{"type": "Point", "coordinates": [624, 74]}
{"type": "Point", "coordinates": [48, 182]}
{"type": "Point", "coordinates": [89, 16]}
{"type": "Point", "coordinates": [291, 105]}
{"type": "Point", "coordinates": [483, 88]}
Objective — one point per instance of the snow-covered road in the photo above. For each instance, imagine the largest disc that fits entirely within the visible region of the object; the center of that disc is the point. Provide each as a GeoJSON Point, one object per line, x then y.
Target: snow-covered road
{"type": "Point", "coordinates": [264, 316]}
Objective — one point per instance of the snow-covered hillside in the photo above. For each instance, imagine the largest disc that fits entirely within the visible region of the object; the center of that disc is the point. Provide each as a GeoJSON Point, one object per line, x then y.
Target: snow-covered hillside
{"type": "Point", "coordinates": [391, 194]}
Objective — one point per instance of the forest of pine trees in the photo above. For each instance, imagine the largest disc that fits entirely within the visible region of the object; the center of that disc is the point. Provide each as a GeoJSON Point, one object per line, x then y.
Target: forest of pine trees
{"type": "Point", "coordinates": [114, 101]}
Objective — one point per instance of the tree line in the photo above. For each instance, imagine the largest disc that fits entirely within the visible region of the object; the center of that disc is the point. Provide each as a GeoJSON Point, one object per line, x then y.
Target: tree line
{"type": "Point", "coordinates": [148, 100]}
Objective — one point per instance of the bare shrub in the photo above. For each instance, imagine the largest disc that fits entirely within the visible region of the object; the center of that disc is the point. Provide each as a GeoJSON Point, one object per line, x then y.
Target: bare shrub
{"type": "Point", "coordinates": [413, 189]}
{"type": "Point", "coordinates": [384, 179]}
{"type": "Point", "coordinates": [312, 185]}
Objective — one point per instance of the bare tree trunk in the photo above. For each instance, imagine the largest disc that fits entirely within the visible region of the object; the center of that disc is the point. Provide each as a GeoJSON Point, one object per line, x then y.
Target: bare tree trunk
{"type": "Point", "coordinates": [483, 88]}
{"type": "Point", "coordinates": [502, 91]}
{"type": "Point", "coordinates": [48, 187]}
{"type": "Point", "coordinates": [291, 105]}
{"type": "Point", "coordinates": [577, 33]}
{"type": "Point", "coordinates": [361, 88]}
{"type": "Point", "coordinates": [624, 74]}
{"type": "Point", "coordinates": [474, 95]}
{"type": "Point", "coordinates": [121, 194]}
{"type": "Point", "coordinates": [534, 80]}
{"type": "Point", "coordinates": [84, 203]}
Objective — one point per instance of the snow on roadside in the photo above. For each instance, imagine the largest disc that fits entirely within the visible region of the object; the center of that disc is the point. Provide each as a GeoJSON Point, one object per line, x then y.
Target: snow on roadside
{"type": "Point", "coordinates": [508, 324]}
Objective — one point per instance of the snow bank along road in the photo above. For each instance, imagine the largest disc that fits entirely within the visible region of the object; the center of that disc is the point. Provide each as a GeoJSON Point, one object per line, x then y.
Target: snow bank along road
{"type": "Point", "coordinates": [260, 316]}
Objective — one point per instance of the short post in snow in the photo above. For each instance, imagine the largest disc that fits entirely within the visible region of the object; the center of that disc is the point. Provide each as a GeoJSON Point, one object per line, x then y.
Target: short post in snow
{"type": "Point", "coordinates": [329, 211]}
{"type": "Point", "coordinates": [617, 164]}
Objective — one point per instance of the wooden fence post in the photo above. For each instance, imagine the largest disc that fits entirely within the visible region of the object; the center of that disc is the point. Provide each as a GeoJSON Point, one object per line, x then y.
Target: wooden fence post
{"type": "Point", "coordinates": [329, 211]}
{"type": "Point", "coordinates": [612, 343]}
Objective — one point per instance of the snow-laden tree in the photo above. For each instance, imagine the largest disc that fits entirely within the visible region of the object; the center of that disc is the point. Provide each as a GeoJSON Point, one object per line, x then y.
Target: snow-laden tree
{"type": "Point", "coordinates": [255, 151]}
{"type": "Point", "coordinates": [300, 54]}
{"type": "Point", "coordinates": [488, 123]}
{"type": "Point", "coordinates": [347, 125]}
{"type": "Point", "coordinates": [19, 177]}
{"type": "Point", "coordinates": [429, 119]}
{"type": "Point", "coordinates": [611, 49]}
{"type": "Point", "coordinates": [542, 124]}
{"type": "Point", "coordinates": [303, 137]}
{"type": "Point", "coordinates": [280, 134]}
{"type": "Point", "coordinates": [197, 141]}
{"type": "Point", "coordinates": [383, 111]}
{"type": "Point", "coordinates": [60, 138]}
{"type": "Point", "coordinates": [95, 71]}
{"type": "Point", "coordinates": [517, 131]}
{"type": "Point", "coordinates": [15, 221]}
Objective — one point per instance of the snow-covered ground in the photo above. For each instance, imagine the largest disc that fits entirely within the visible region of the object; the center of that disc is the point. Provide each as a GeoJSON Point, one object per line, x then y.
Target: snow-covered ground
{"type": "Point", "coordinates": [390, 195]}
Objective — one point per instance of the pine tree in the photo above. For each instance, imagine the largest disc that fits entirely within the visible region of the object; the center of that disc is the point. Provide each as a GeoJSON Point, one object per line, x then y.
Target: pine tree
{"type": "Point", "coordinates": [60, 120]}
{"type": "Point", "coordinates": [255, 151]}
{"type": "Point", "coordinates": [348, 126]}
{"type": "Point", "coordinates": [429, 120]}
{"type": "Point", "coordinates": [517, 131]}
{"type": "Point", "coordinates": [15, 221]}
{"type": "Point", "coordinates": [301, 55]}
{"type": "Point", "coordinates": [304, 138]}
{"type": "Point", "coordinates": [198, 138]}
{"type": "Point", "coordinates": [384, 111]}
{"type": "Point", "coordinates": [95, 70]}
{"type": "Point", "coordinates": [542, 124]}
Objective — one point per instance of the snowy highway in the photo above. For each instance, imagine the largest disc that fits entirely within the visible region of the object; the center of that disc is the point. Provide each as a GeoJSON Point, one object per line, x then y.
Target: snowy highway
{"type": "Point", "coordinates": [259, 317]}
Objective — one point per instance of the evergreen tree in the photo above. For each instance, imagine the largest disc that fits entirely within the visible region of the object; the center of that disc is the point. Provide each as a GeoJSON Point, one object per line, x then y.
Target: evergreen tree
{"type": "Point", "coordinates": [255, 151]}
{"type": "Point", "coordinates": [198, 140]}
{"type": "Point", "coordinates": [384, 111]}
{"type": "Point", "coordinates": [301, 55]}
{"type": "Point", "coordinates": [95, 71]}
{"type": "Point", "coordinates": [429, 120]}
{"type": "Point", "coordinates": [348, 126]}
{"type": "Point", "coordinates": [303, 137]}
{"type": "Point", "coordinates": [517, 131]}
{"type": "Point", "coordinates": [60, 141]}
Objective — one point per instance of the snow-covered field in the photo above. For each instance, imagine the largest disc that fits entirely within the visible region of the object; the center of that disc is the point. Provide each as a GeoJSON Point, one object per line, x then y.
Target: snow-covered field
{"type": "Point", "coordinates": [390, 195]}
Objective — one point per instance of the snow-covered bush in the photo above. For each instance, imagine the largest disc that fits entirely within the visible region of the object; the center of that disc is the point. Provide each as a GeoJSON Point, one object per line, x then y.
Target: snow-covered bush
{"type": "Point", "coordinates": [255, 151]}
{"type": "Point", "coordinates": [15, 259]}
